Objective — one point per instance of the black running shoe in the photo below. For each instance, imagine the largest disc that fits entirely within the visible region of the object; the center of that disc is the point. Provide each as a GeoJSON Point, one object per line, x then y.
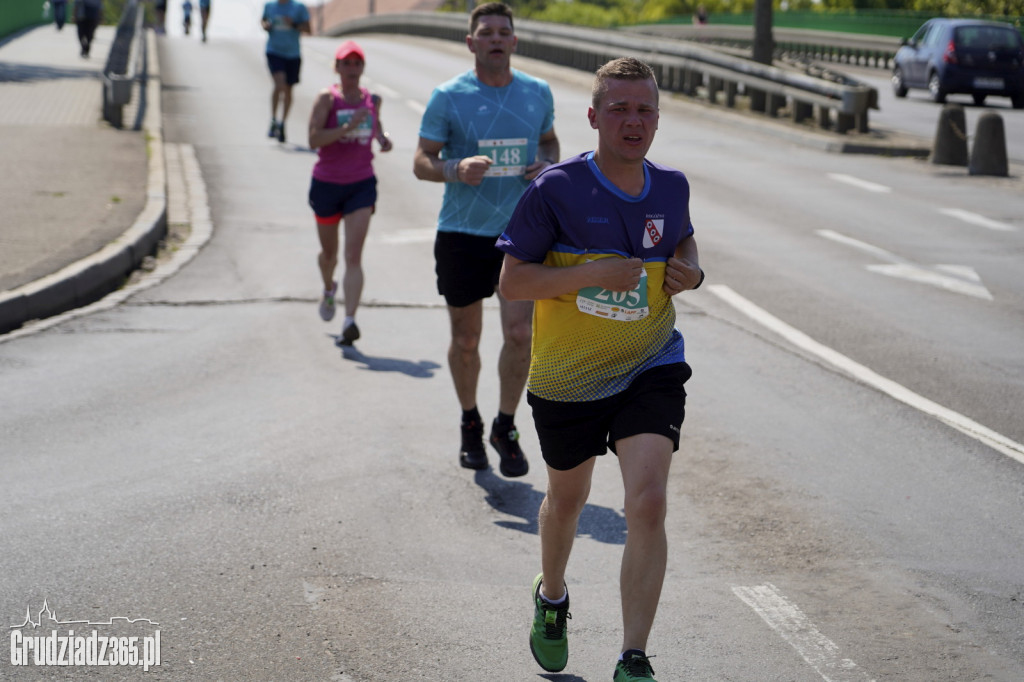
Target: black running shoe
{"type": "Point", "coordinates": [634, 667]}
{"type": "Point", "coordinates": [506, 442]}
{"type": "Point", "coordinates": [348, 334]}
{"type": "Point", "coordinates": [472, 454]}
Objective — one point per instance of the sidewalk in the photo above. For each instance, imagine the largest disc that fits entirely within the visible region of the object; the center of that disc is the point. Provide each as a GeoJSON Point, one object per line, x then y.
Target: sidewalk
{"type": "Point", "coordinates": [77, 203]}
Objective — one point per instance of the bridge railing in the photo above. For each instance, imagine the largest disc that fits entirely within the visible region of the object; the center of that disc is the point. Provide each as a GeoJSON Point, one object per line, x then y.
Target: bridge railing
{"type": "Point", "coordinates": [824, 46]}
{"type": "Point", "coordinates": [681, 66]}
{"type": "Point", "coordinates": [124, 63]}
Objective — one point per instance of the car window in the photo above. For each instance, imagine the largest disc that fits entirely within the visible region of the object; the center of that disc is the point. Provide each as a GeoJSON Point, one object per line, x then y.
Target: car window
{"type": "Point", "coordinates": [987, 38]}
{"type": "Point", "coordinates": [933, 36]}
{"type": "Point", "coordinates": [922, 32]}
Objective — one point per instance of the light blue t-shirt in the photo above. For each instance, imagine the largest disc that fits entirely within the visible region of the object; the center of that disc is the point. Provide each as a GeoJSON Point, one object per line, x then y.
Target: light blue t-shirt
{"type": "Point", "coordinates": [506, 123]}
{"type": "Point", "coordinates": [283, 40]}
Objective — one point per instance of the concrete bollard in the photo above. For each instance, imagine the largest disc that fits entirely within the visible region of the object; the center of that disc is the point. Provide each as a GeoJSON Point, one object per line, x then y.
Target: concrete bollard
{"type": "Point", "coordinates": [951, 137]}
{"type": "Point", "coordinates": [988, 156]}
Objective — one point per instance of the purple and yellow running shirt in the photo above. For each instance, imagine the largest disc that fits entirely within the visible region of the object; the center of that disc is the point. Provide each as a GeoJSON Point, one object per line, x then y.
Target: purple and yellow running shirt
{"type": "Point", "coordinates": [590, 344]}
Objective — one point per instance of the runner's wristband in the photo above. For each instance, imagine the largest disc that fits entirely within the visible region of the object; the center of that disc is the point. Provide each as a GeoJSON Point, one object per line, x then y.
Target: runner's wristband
{"type": "Point", "coordinates": [699, 281]}
{"type": "Point", "coordinates": [451, 170]}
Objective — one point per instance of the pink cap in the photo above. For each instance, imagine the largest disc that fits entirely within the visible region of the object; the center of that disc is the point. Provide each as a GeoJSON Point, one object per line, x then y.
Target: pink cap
{"type": "Point", "coordinates": [349, 47]}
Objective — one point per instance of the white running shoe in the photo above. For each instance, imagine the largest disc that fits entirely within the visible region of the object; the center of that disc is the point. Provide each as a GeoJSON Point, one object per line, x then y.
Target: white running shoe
{"type": "Point", "coordinates": [327, 304]}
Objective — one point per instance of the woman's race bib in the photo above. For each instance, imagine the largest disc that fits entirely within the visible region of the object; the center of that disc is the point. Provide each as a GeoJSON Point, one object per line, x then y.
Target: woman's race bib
{"type": "Point", "coordinates": [362, 132]}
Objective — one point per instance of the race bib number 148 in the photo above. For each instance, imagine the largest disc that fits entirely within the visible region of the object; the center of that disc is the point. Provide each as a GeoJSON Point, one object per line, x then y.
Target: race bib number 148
{"type": "Point", "coordinates": [508, 155]}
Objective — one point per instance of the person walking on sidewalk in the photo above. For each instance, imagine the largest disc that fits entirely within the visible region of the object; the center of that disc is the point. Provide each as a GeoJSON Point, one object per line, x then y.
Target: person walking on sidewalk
{"type": "Point", "coordinates": [60, 12]}
{"type": "Point", "coordinates": [204, 16]}
{"type": "Point", "coordinates": [344, 122]}
{"type": "Point", "coordinates": [284, 21]}
{"type": "Point", "coordinates": [485, 133]}
{"type": "Point", "coordinates": [602, 242]}
{"type": "Point", "coordinates": [186, 16]}
{"type": "Point", "coordinates": [88, 14]}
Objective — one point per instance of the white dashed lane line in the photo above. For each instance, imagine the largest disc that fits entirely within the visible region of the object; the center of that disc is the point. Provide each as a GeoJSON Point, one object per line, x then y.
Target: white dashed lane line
{"type": "Point", "coordinates": [857, 182]}
{"type": "Point", "coordinates": [792, 625]}
{"type": "Point", "coordinates": [979, 220]}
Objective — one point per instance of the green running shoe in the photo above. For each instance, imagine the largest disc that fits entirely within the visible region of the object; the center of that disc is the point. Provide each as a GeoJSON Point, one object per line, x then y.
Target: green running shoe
{"type": "Point", "coordinates": [548, 641]}
{"type": "Point", "coordinates": [634, 667]}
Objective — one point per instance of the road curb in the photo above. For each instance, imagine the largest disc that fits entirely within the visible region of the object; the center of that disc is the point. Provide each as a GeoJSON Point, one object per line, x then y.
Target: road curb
{"type": "Point", "coordinates": [89, 279]}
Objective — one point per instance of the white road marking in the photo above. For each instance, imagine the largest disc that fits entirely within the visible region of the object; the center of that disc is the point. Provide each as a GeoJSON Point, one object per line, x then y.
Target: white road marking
{"type": "Point", "coordinates": [415, 106]}
{"type": "Point", "coordinates": [975, 219]}
{"type": "Point", "coordinates": [790, 622]}
{"type": "Point", "coordinates": [875, 251]}
{"type": "Point", "coordinates": [857, 182]}
{"type": "Point", "coordinates": [408, 236]}
{"type": "Point", "coordinates": [969, 427]}
{"type": "Point", "coordinates": [385, 91]}
{"type": "Point", "coordinates": [915, 273]}
{"type": "Point", "coordinates": [960, 279]}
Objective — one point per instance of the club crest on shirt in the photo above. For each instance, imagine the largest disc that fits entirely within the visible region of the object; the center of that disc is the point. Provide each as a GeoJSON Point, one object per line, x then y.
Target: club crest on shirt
{"type": "Point", "coordinates": [653, 230]}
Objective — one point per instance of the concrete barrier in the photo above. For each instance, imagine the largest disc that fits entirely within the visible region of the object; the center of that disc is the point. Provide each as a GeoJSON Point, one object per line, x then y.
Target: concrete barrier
{"type": "Point", "coordinates": [988, 155]}
{"type": "Point", "coordinates": [951, 137]}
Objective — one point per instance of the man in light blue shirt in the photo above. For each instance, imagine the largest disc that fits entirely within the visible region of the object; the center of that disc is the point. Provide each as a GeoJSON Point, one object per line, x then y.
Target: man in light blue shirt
{"type": "Point", "coordinates": [284, 21]}
{"type": "Point", "coordinates": [485, 134]}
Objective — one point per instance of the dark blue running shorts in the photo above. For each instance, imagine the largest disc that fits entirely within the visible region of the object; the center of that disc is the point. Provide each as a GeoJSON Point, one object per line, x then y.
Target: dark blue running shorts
{"type": "Point", "coordinates": [467, 267]}
{"type": "Point", "coordinates": [291, 67]}
{"type": "Point", "coordinates": [330, 202]}
{"type": "Point", "coordinates": [572, 433]}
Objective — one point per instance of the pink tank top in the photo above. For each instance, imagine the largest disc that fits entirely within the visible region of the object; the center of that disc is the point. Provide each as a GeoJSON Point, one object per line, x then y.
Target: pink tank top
{"type": "Point", "coordinates": [349, 159]}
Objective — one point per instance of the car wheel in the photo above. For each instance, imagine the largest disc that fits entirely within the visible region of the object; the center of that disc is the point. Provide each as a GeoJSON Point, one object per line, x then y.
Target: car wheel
{"type": "Point", "coordinates": [935, 89]}
{"type": "Point", "coordinates": [1018, 101]}
{"type": "Point", "coordinates": [899, 87]}
{"type": "Point", "coordinates": [979, 98]}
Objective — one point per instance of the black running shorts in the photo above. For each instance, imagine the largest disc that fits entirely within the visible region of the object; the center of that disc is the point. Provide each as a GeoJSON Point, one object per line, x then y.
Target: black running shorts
{"type": "Point", "coordinates": [467, 267]}
{"type": "Point", "coordinates": [571, 433]}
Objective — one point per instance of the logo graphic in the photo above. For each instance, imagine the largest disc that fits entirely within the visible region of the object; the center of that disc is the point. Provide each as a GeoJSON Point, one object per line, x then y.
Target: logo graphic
{"type": "Point", "coordinates": [92, 649]}
{"type": "Point", "coordinates": [653, 230]}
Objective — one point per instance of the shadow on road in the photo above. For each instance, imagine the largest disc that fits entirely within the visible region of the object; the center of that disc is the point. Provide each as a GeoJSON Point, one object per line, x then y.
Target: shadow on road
{"type": "Point", "coordinates": [423, 369]}
{"type": "Point", "coordinates": [517, 498]}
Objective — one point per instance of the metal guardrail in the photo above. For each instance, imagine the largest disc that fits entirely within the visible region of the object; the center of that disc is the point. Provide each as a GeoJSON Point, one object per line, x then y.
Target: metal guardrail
{"type": "Point", "coordinates": [823, 46]}
{"type": "Point", "coordinates": [124, 63]}
{"type": "Point", "coordinates": [681, 66]}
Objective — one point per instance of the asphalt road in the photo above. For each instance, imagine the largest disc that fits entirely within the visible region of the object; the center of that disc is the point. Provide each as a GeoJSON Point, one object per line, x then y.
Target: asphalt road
{"type": "Point", "coordinates": [203, 457]}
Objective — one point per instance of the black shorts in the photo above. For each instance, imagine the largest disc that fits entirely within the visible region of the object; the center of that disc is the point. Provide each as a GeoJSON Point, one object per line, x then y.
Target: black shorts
{"type": "Point", "coordinates": [330, 202]}
{"type": "Point", "coordinates": [572, 433]}
{"type": "Point", "coordinates": [467, 267]}
{"type": "Point", "coordinates": [290, 67]}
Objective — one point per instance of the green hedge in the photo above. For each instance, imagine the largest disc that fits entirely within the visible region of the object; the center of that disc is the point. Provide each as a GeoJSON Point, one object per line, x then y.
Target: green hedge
{"type": "Point", "coordinates": [897, 24]}
{"type": "Point", "coordinates": [19, 14]}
